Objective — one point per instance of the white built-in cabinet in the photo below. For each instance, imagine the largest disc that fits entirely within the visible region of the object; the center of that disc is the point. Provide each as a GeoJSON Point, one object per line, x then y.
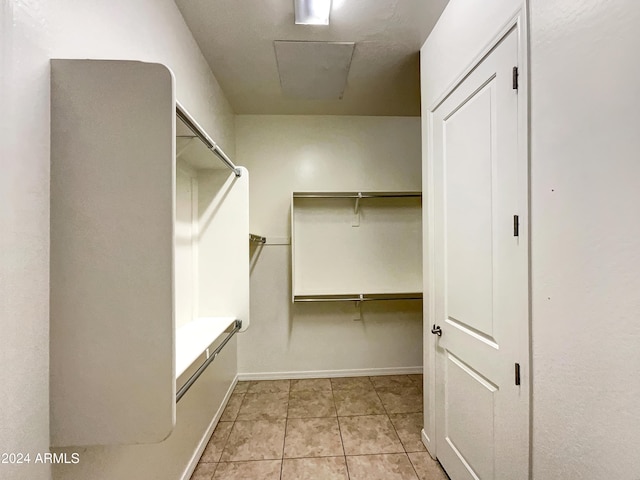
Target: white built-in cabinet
{"type": "Point", "coordinates": [356, 245]}
{"type": "Point", "coordinates": [149, 251]}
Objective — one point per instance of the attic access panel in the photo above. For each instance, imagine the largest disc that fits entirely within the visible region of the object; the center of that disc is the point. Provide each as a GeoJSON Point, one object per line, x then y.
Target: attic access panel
{"type": "Point", "coordinates": [313, 70]}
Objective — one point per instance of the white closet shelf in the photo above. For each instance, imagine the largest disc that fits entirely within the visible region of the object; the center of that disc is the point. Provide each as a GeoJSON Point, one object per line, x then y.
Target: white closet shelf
{"type": "Point", "coordinates": [358, 297]}
{"type": "Point", "coordinates": [115, 382]}
{"type": "Point", "coordinates": [193, 339]}
{"type": "Point", "coordinates": [356, 245]}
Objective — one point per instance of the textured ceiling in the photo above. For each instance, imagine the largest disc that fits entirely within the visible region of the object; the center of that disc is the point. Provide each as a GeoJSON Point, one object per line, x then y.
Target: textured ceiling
{"type": "Point", "coordinates": [237, 39]}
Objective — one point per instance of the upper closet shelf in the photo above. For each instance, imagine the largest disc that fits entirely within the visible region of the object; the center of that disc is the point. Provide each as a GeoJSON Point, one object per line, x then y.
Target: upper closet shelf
{"type": "Point", "coordinates": [194, 146]}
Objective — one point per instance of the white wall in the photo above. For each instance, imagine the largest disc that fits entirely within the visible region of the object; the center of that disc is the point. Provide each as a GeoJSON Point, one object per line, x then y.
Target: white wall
{"type": "Point", "coordinates": [31, 33]}
{"type": "Point", "coordinates": [585, 191]}
{"type": "Point", "coordinates": [24, 236]}
{"type": "Point", "coordinates": [584, 229]}
{"type": "Point", "coordinates": [307, 153]}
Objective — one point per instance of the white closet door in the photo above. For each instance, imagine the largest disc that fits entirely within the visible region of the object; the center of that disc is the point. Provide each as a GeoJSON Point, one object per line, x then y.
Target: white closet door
{"type": "Point", "coordinates": [481, 274]}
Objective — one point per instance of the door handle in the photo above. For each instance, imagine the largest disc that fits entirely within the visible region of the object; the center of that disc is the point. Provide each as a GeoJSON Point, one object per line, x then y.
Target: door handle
{"type": "Point", "coordinates": [436, 330]}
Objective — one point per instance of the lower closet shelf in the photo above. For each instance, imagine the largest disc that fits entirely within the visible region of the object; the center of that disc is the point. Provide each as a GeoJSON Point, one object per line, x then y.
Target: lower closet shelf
{"type": "Point", "coordinates": [193, 338]}
{"type": "Point", "coordinates": [358, 297]}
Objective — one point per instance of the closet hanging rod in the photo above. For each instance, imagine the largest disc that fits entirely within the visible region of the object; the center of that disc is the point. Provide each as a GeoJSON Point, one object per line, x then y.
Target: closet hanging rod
{"type": "Point", "coordinates": [356, 194]}
{"type": "Point", "coordinates": [257, 238]}
{"type": "Point", "coordinates": [363, 298]}
{"type": "Point", "coordinates": [192, 379]}
{"type": "Point", "coordinates": [182, 114]}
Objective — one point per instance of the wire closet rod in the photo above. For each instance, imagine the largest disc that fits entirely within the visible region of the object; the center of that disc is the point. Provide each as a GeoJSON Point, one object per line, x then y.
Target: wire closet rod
{"type": "Point", "coordinates": [356, 195]}
{"type": "Point", "coordinates": [192, 379]}
{"type": "Point", "coordinates": [201, 134]}
{"type": "Point", "coordinates": [360, 298]}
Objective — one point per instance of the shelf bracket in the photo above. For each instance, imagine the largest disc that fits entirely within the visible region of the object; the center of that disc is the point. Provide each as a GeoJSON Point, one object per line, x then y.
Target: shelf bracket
{"type": "Point", "coordinates": [257, 239]}
{"type": "Point", "coordinates": [356, 211]}
{"type": "Point", "coordinates": [358, 306]}
{"type": "Point", "coordinates": [358, 198]}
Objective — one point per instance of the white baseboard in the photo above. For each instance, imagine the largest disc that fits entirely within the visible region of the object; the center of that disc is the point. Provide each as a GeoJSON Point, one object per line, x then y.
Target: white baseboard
{"type": "Point", "coordinates": [427, 443]}
{"type": "Point", "coordinates": [365, 372]}
{"type": "Point", "coordinates": [207, 436]}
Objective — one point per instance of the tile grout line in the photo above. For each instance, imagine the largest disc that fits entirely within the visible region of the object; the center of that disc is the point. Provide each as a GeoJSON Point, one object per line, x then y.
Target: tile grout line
{"type": "Point", "coordinates": [233, 425]}
{"type": "Point", "coordinates": [330, 390]}
{"type": "Point", "coordinates": [406, 454]}
{"type": "Point", "coordinates": [217, 463]}
{"type": "Point", "coordinates": [338, 417]}
{"type": "Point", "coordinates": [386, 413]}
{"type": "Point", "coordinates": [286, 423]}
{"type": "Point", "coordinates": [389, 417]}
{"type": "Point", "coordinates": [346, 464]}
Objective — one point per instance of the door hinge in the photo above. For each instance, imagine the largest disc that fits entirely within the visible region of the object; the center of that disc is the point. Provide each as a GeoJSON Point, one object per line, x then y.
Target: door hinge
{"type": "Point", "coordinates": [515, 78]}
{"type": "Point", "coordinates": [517, 374]}
{"type": "Point", "coordinates": [516, 226]}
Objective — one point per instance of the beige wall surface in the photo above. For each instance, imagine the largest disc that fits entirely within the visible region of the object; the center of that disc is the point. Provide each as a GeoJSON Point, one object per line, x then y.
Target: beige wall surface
{"type": "Point", "coordinates": [30, 34]}
{"type": "Point", "coordinates": [316, 153]}
{"type": "Point", "coordinates": [585, 178]}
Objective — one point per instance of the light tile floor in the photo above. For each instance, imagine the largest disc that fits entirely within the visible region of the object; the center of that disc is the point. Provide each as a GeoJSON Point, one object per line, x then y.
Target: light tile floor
{"type": "Point", "coordinates": [321, 429]}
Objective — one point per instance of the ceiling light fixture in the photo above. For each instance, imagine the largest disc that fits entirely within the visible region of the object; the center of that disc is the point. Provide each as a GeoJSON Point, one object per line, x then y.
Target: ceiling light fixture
{"type": "Point", "coordinates": [312, 12]}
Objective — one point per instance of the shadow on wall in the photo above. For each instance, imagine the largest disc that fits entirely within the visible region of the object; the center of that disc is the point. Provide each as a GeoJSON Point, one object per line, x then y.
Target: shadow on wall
{"type": "Point", "coordinates": [255, 249]}
{"type": "Point", "coordinates": [219, 186]}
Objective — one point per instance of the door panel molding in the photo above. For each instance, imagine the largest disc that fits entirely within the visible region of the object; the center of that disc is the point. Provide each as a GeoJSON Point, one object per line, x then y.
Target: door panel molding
{"type": "Point", "coordinates": [469, 330]}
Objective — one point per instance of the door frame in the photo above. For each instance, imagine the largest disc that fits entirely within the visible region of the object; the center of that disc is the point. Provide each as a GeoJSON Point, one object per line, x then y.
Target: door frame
{"type": "Point", "coordinates": [518, 20]}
